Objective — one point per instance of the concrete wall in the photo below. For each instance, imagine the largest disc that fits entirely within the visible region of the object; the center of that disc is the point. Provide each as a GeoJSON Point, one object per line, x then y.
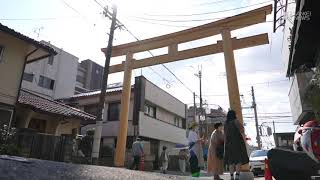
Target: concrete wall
{"type": "Point", "coordinates": [109, 129]}
{"type": "Point", "coordinates": [11, 67]}
{"type": "Point", "coordinates": [299, 106]}
{"type": "Point", "coordinates": [163, 99]}
{"type": "Point", "coordinates": [170, 148]}
{"type": "Point", "coordinates": [66, 75]}
{"type": "Point", "coordinates": [153, 128]}
{"type": "Point", "coordinates": [66, 127]}
{"type": "Point", "coordinates": [63, 71]}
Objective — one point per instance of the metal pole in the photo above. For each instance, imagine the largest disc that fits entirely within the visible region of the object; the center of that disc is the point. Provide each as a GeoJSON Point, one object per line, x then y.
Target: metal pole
{"type": "Point", "coordinates": [194, 106]}
{"type": "Point", "coordinates": [274, 127]}
{"type": "Point", "coordinates": [254, 105]}
{"type": "Point", "coordinates": [201, 108]}
{"type": "Point", "coordinates": [100, 108]}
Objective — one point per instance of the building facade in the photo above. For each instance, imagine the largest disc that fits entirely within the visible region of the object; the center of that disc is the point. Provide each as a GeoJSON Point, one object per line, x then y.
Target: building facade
{"type": "Point", "coordinates": [301, 52]}
{"type": "Point", "coordinates": [154, 115]}
{"type": "Point", "coordinates": [53, 77]}
{"type": "Point", "coordinates": [16, 50]}
{"type": "Point", "coordinates": [89, 76]}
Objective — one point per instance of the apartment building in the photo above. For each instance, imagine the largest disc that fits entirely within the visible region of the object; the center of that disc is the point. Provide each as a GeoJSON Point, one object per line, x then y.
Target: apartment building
{"type": "Point", "coordinates": [89, 76]}
{"type": "Point", "coordinates": [53, 77]}
{"type": "Point", "coordinates": [154, 115]}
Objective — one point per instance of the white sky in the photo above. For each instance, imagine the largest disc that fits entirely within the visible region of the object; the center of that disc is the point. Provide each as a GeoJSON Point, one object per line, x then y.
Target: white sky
{"type": "Point", "coordinates": [79, 27]}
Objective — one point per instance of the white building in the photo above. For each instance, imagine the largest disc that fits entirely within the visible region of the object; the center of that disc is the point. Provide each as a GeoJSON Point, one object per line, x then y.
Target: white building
{"type": "Point", "coordinates": [53, 77]}
{"type": "Point", "coordinates": [154, 115]}
{"type": "Point", "coordinates": [301, 54]}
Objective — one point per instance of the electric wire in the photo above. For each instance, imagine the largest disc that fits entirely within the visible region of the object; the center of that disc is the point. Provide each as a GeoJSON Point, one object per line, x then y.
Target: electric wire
{"type": "Point", "coordinates": [206, 13]}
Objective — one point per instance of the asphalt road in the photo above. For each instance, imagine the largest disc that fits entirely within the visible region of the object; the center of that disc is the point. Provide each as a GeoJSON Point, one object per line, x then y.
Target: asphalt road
{"type": "Point", "coordinates": [15, 168]}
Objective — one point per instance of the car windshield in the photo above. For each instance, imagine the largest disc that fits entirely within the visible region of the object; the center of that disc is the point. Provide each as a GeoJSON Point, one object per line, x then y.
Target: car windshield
{"type": "Point", "coordinates": [259, 153]}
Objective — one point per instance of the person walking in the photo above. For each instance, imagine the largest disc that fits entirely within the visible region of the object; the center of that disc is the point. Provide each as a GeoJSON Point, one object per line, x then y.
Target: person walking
{"type": "Point", "coordinates": [137, 152]}
{"type": "Point", "coordinates": [195, 147]}
{"type": "Point", "coordinates": [183, 156]}
{"type": "Point", "coordinates": [164, 159]}
{"type": "Point", "coordinates": [216, 151]}
{"type": "Point", "coordinates": [235, 147]}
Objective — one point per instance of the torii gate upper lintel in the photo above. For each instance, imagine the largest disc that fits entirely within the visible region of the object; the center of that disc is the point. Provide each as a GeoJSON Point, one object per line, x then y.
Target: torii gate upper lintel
{"type": "Point", "coordinates": [227, 45]}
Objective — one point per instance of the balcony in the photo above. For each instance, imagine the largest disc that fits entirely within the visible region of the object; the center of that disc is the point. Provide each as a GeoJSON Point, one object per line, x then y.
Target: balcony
{"type": "Point", "coordinates": [157, 129]}
{"type": "Point", "coordinates": [300, 108]}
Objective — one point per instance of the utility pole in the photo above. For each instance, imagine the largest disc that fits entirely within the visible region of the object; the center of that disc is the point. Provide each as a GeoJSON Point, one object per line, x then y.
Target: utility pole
{"type": "Point", "coordinates": [194, 106]}
{"type": "Point", "coordinates": [274, 127]}
{"type": "Point", "coordinates": [100, 108]}
{"type": "Point", "coordinates": [254, 106]}
{"type": "Point", "coordinates": [199, 75]}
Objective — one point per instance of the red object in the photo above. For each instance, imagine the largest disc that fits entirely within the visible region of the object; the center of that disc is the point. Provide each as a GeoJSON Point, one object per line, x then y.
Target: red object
{"type": "Point", "coordinates": [267, 172]}
{"type": "Point", "coordinates": [142, 163]}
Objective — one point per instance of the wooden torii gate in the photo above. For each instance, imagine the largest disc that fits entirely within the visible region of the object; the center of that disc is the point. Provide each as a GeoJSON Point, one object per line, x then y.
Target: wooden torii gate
{"type": "Point", "coordinates": [227, 45]}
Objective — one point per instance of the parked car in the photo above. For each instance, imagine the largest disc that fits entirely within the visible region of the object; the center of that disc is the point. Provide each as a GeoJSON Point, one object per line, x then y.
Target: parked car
{"type": "Point", "coordinates": [256, 163]}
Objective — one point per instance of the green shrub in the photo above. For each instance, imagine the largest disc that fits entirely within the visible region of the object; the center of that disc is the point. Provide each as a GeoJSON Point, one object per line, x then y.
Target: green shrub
{"type": "Point", "coordinates": [10, 149]}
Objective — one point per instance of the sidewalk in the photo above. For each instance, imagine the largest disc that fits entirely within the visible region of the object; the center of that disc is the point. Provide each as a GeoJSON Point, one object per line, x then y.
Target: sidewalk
{"type": "Point", "coordinates": [204, 175]}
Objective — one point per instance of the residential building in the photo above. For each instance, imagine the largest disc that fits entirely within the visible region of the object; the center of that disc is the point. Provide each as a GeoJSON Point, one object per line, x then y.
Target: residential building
{"type": "Point", "coordinates": [16, 50]}
{"type": "Point", "coordinates": [89, 76]}
{"type": "Point", "coordinates": [301, 52]}
{"type": "Point", "coordinates": [154, 115]}
{"type": "Point", "coordinates": [48, 116]}
{"type": "Point", "coordinates": [53, 77]}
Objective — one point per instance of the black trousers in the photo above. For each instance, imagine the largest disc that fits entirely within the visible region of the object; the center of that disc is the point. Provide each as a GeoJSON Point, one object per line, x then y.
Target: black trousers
{"type": "Point", "coordinates": [136, 163]}
{"type": "Point", "coordinates": [194, 166]}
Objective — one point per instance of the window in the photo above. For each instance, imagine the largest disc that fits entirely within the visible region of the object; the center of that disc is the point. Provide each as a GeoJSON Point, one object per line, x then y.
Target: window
{"type": "Point", "coordinates": [150, 110]}
{"type": "Point", "coordinates": [6, 115]}
{"type": "Point", "coordinates": [1, 53]}
{"type": "Point", "coordinates": [177, 121]}
{"type": "Point", "coordinates": [113, 111]}
{"type": "Point", "coordinates": [28, 77]}
{"type": "Point", "coordinates": [91, 109]}
{"type": "Point", "coordinates": [50, 60]}
{"type": "Point", "coordinates": [46, 82]}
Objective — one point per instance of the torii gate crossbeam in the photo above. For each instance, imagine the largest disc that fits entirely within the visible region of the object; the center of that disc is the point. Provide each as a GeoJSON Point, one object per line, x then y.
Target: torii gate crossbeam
{"type": "Point", "coordinates": [227, 45]}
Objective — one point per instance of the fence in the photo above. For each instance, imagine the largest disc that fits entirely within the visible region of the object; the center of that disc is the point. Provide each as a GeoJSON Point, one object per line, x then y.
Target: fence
{"type": "Point", "coordinates": [44, 146]}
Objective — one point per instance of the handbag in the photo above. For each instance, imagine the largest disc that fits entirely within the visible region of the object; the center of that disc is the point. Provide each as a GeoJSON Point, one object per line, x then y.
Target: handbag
{"type": "Point", "coordinates": [220, 151]}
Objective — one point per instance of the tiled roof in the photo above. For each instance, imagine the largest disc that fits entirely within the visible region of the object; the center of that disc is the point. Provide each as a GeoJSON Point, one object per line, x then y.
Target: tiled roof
{"type": "Point", "coordinates": [26, 39]}
{"type": "Point", "coordinates": [95, 93]}
{"type": "Point", "coordinates": [118, 89]}
{"type": "Point", "coordinates": [38, 103]}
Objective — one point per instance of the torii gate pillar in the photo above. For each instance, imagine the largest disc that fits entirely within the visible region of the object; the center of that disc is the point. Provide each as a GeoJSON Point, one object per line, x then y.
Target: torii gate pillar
{"type": "Point", "coordinates": [233, 88]}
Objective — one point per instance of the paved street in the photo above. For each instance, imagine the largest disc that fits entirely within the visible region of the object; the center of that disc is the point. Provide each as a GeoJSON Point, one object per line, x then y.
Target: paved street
{"type": "Point", "coordinates": [35, 169]}
{"type": "Point", "coordinates": [206, 176]}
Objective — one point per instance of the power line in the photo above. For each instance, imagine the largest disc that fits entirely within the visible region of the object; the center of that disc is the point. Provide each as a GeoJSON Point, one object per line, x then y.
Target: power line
{"type": "Point", "coordinates": [198, 14]}
{"type": "Point", "coordinates": [35, 19]}
{"type": "Point", "coordinates": [267, 82]}
{"type": "Point", "coordinates": [168, 20]}
{"type": "Point", "coordinates": [150, 53]}
{"type": "Point", "coordinates": [208, 3]}
{"type": "Point", "coordinates": [76, 11]}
